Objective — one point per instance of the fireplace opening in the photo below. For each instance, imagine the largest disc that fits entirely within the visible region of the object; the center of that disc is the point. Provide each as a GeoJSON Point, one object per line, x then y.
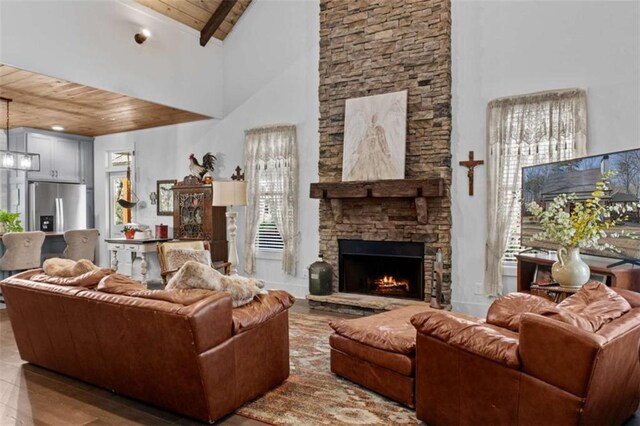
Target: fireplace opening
{"type": "Point", "coordinates": [382, 268]}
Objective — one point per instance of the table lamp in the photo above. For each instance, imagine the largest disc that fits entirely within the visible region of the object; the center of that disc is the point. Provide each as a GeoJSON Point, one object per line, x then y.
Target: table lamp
{"type": "Point", "coordinates": [228, 194]}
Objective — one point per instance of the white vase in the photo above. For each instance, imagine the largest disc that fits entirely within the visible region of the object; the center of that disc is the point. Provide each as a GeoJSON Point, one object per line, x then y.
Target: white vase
{"type": "Point", "coordinates": [570, 270]}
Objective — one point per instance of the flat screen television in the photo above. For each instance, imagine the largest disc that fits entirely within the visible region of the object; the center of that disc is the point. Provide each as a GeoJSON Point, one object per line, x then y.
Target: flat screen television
{"type": "Point", "coordinates": [542, 183]}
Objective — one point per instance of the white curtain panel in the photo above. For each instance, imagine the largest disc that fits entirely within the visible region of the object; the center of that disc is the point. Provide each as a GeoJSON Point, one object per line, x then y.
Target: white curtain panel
{"type": "Point", "coordinates": [523, 131]}
{"type": "Point", "coordinates": [271, 157]}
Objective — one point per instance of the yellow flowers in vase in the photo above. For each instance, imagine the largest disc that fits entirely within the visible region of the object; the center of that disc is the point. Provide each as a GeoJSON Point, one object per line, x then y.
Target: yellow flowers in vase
{"type": "Point", "coordinates": [581, 224]}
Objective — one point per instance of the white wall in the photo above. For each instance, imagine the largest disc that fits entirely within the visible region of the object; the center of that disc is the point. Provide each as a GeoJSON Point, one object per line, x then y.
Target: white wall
{"type": "Point", "coordinates": [91, 42]}
{"type": "Point", "coordinates": [270, 77]}
{"type": "Point", "coordinates": [160, 153]}
{"type": "Point", "coordinates": [506, 48]}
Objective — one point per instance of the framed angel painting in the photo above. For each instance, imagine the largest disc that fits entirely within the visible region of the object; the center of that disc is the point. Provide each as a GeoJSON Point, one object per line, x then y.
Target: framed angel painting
{"type": "Point", "coordinates": [375, 137]}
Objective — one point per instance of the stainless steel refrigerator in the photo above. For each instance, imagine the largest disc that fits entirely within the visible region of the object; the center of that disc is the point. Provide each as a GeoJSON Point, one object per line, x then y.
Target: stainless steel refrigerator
{"type": "Point", "coordinates": [57, 207]}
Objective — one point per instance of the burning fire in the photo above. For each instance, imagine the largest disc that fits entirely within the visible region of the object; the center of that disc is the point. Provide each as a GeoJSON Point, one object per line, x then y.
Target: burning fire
{"type": "Point", "coordinates": [389, 283]}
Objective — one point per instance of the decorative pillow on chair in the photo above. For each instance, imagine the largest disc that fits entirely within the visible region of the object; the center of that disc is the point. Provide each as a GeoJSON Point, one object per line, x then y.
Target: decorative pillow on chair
{"type": "Point", "coordinates": [67, 268]}
{"type": "Point", "coordinates": [596, 303]}
{"type": "Point", "coordinates": [506, 311]}
{"type": "Point", "coordinates": [196, 275]}
{"type": "Point", "coordinates": [179, 256]}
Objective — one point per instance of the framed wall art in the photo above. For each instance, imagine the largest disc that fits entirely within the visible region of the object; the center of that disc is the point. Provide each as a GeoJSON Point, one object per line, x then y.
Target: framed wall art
{"type": "Point", "coordinates": [375, 137]}
{"type": "Point", "coordinates": [165, 197]}
{"type": "Point", "coordinates": [601, 278]}
{"type": "Point", "coordinates": [543, 275]}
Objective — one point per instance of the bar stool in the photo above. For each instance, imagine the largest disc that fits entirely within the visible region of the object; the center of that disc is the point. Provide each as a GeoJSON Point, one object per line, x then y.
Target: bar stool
{"type": "Point", "coordinates": [81, 244]}
{"type": "Point", "coordinates": [22, 250]}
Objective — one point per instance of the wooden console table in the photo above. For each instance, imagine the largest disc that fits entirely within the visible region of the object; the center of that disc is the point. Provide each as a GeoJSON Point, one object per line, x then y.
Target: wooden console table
{"type": "Point", "coordinates": [135, 248]}
{"type": "Point", "coordinates": [623, 276]}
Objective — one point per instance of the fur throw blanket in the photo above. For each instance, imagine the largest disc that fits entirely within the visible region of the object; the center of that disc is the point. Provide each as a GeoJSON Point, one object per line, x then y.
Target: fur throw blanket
{"type": "Point", "coordinates": [196, 275]}
{"type": "Point", "coordinates": [67, 268]}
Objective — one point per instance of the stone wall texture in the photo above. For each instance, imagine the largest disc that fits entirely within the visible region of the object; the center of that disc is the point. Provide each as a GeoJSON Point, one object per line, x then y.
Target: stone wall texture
{"type": "Point", "coordinates": [371, 47]}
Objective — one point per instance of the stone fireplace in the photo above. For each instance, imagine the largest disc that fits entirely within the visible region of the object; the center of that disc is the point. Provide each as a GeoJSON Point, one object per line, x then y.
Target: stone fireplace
{"type": "Point", "coordinates": [370, 48]}
{"type": "Point", "coordinates": [382, 268]}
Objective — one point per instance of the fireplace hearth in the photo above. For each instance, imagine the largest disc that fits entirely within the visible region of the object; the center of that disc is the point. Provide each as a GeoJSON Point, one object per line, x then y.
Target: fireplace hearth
{"type": "Point", "coordinates": [382, 268]}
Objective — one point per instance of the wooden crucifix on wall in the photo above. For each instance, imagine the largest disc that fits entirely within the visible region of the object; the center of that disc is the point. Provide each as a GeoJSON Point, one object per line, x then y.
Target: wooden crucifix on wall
{"type": "Point", "coordinates": [470, 164]}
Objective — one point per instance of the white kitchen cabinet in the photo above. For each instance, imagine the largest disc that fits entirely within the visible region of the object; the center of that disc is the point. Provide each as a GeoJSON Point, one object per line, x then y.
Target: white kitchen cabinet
{"type": "Point", "coordinates": [86, 163]}
{"type": "Point", "coordinates": [59, 158]}
{"type": "Point", "coordinates": [41, 144]}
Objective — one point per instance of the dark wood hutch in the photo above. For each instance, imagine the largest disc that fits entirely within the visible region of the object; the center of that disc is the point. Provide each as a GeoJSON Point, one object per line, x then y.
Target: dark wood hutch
{"type": "Point", "coordinates": [194, 217]}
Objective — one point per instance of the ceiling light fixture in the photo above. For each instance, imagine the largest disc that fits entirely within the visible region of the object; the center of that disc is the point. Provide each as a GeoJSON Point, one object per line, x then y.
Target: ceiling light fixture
{"type": "Point", "coordinates": [15, 160]}
{"type": "Point", "coordinates": [142, 36]}
{"type": "Point", "coordinates": [57, 127]}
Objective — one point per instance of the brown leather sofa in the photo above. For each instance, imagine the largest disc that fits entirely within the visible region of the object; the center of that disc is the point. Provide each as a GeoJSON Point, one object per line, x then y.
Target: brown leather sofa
{"type": "Point", "coordinates": [184, 350]}
{"type": "Point", "coordinates": [532, 362]}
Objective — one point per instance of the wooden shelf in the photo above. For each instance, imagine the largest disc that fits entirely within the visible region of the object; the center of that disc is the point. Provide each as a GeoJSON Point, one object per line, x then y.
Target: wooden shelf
{"type": "Point", "coordinates": [419, 189]}
{"type": "Point", "coordinates": [400, 188]}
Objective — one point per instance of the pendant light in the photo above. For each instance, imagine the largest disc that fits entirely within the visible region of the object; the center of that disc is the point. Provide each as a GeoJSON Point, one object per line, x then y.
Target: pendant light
{"type": "Point", "coordinates": [127, 204]}
{"type": "Point", "coordinates": [15, 160]}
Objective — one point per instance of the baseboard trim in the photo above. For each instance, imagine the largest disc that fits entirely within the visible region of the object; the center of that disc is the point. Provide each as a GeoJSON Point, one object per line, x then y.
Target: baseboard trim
{"type": "Point", "coordinates": [299, 291]}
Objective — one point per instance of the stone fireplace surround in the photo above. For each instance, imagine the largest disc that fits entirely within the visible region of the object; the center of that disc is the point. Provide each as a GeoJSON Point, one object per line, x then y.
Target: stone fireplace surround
{"type": "Point", "coordinates": [373, 47]}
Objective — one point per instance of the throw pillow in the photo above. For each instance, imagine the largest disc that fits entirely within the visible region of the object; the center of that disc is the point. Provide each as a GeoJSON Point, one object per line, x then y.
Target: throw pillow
{"type": "Point", "coordinates": [596, 303]}
{"type": "Point", "coordinates": [125, 286]}
{"type": "Point", "coordinates": [66, 268]}
{"type": "Point", "coordinates": [179, 256]}
{"type": "Point", "coordinates": [506, 311]}
{"type": "Point", "coordinates": [196, 275]}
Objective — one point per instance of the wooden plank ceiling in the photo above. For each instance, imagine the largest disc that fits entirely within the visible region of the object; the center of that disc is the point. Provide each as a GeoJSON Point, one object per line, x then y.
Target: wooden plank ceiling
{"type": "Point", "coordinates": [42, 102]}
{"type": "Point", "coordinates": [196, 13]}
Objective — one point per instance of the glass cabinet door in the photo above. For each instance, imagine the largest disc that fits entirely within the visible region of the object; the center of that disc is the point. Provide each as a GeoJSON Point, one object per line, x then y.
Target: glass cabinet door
{"type": "Point", "coordinates": [191, 215]}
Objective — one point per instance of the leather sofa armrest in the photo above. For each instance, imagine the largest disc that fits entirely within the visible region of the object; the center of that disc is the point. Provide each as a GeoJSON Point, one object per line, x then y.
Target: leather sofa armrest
{"type": "Point", "coordinates": [211, 320]}
{"type": "Point", "coordinates": [470, 334]}
{"type": "Point", "coordinates": [558, 353]}
{"type": "Point", "coordinates": [630, 296]}
{"type": "Point", "coordinates": [442, 325]}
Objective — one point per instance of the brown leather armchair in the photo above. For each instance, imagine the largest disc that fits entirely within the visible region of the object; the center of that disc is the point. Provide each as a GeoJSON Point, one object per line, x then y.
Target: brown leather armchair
{"type": "Point", "coordinates": [531, 362]}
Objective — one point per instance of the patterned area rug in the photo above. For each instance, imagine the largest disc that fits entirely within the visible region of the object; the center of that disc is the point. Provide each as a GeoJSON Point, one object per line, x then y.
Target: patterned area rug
{"type": "Point", "coordinates": [313, 395]}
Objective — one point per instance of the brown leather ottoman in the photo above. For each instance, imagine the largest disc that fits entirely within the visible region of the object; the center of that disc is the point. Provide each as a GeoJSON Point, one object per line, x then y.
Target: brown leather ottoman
{"type": "Point", "coordinates": [378, 352]}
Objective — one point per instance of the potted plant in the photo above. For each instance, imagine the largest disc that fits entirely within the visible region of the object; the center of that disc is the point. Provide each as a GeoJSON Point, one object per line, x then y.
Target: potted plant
{"type": "Point", "coordinates": [129, 230]}
{"type": "Point", "coordinates": [9, 222]}
{"type": "Point", "coordinates": [574, 224]}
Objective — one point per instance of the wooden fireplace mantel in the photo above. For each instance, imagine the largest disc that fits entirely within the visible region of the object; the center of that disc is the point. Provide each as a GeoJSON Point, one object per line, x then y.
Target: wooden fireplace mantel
{"type": "Point", "coordinates": [419, 189]}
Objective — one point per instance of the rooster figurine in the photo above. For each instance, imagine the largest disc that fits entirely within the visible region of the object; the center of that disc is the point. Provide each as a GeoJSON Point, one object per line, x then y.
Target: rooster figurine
{"type": "Point", "coordinates": [199, 170]}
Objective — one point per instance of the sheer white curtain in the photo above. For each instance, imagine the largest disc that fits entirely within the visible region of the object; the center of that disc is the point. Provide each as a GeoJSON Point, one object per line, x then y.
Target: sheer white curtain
{"type": "Point", "coordinates": [523, 131]}
{"type": "Point", "coordinates": [271, 157]}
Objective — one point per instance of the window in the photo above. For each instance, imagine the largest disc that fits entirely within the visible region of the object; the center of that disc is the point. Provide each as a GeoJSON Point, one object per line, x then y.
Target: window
{"type": "Point", "coordinates": [511, 182]}
{"type": "Point", "coordinates": [268, 237]}
{"type": "Point", "coordinates": [272, 193]}
{"type": "Point", "coordinates": [524, 131]}
{"type": "Point", "coordinates": [119, 187]}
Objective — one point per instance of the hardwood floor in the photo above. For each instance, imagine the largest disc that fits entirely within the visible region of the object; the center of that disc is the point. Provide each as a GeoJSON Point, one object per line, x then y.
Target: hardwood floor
{"type": "Point", "coordinates": [31, 395]}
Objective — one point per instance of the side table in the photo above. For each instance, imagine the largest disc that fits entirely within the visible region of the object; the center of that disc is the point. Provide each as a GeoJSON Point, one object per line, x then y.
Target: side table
{"type": "Point", "coordinates": [135, 248]}
{"type": "Point", "coordinates": [554, 292]}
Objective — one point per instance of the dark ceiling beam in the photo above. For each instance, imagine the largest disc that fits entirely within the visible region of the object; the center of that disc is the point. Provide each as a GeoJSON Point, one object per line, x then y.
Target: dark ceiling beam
{"type": "Point", "coordinates": [216, 20]}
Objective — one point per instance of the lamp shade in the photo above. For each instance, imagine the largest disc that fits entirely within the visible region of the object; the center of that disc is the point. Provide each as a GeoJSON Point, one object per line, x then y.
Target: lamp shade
{"type": "Point", "coordinates": [229, 193]}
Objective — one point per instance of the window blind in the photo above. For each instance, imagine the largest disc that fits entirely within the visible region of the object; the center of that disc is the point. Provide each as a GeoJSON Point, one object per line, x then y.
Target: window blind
{"type": "Point", "coordinates": [268, 237]}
